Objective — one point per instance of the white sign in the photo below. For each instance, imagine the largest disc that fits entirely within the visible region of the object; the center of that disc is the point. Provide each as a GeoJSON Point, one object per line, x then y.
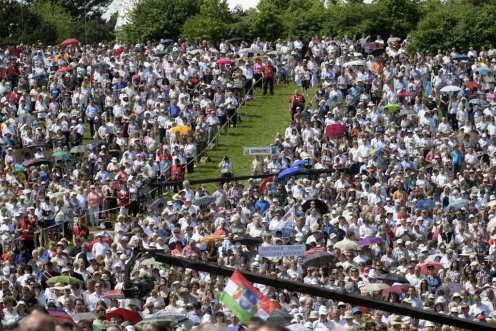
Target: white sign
{"type": "Point", "coordinates": [259, 150]}
{"type": "Point", "coordinates": [281, 250]}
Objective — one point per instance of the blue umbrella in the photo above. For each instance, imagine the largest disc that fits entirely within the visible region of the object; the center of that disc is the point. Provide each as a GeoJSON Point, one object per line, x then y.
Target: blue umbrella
{"type": "Point", "coordinates": [300, 163]}
{"type": "Point", "coordinates": [482, 70]}
{"type": "Point", "coordinates": [425, 203]}
{"type": "Point", "coordinates": [288, 172]}
{"type": "Point", "coordinates": [459, 57]}
{"type": "Point", "coordinates": [166, 41]}
{"type": "Point", "coordinates": [457, 204]}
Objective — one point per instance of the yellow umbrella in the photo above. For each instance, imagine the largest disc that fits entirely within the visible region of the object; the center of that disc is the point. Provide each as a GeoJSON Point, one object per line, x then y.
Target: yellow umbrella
{"type": "Point", "coordinates": [182, 129]}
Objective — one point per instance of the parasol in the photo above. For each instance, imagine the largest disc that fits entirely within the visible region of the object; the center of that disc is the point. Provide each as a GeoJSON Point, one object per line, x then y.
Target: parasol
{"type": "Point", "coordinates": [81, 149]}
{"type": "Point", "coordinates": [33, 162]}
{"type": "Point", "coordinates": [450, 88]}
{"type": "Point", "coordinates": [300, 163]}
{"type": "Point", "coordinates": [346, 244]}
{"type": "Point", "coordinates": [398, 289]}
{"type": "Point", "coordinates": [264, 183]}
{"type": "Point", "coordinates": [114, 294]}
{"type": "Point", "coordinates": [374, 287]}
{"type": "Point", "coordinates": [289, 172]}
{"type": "Point", "coordinates": [317, 259]}
{"type": "Point", "coordinates": [392, 107]}
{"type": "Point", "coordinates": [423, 266]}
{"type": "Point", "coordinates": [131, 316]}
{"type": "Point", "coordinates": [65, 69]}
{"type": "Point", "coordinates": [223, 61]}
{"type": "Point", "coordinates": [182, 129]}
{"type": "Point", "coordinates": [482, 70]}
{"type": "Point", "coordinates": [69, 42]}
{"type": "Point", "coordinates": [319, 204]}
{"type": "Point", "coordinates": [369, 241]}
{"type": "Point", "coordinates": [63, 279]}
{"type": "Point", "coordinates": [406, 94]}
{"type": "Point", "coordinates": [203, 202]}
{"type": "Point", "coordinates": [212, 237]}
{"type": "Point", "coordinates": [60, 316]}
{"type": "Point", "coordinates": [247, 240]}
{"type": "Point", "coordinates": [335, 131]}
{"type": "Point", "coordinates": [459, 57]}
{"type": "Point", "coordinates": [395, 278]}
{"type": "Point", "coordinates": [472, 85]}
{"type": "Point", "coordinates": [151, 261]}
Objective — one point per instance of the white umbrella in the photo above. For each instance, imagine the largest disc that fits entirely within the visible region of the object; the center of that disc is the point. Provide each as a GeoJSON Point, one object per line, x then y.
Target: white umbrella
{"type": "Point", "coordinates": [354, 63]}
{"type": "Point", "coordinates": [450, 88]}
{"type": "Point", "coordinates": [346, 244]}
{"type": "Point", "coordinates": [197, 51]}
{"type": "Point", "coordinates": [374, 287]}
{"type": "Point", "coordinates": [250, 50]}
{"type": "Point", "coordinates": [297, 327]}
{"type": "Point", "coordinates": [273, 53]}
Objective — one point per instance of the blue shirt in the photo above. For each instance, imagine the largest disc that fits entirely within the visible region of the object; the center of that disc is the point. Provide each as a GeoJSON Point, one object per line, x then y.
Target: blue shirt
{"type": "Point", "coordinates": [263, 205]}
{"type": "Point", "coordinates": [173, 111]}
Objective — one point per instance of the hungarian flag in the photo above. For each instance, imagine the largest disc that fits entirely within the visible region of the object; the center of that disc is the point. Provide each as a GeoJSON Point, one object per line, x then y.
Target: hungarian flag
{"type": "Point", "coordinates": [244, 299]}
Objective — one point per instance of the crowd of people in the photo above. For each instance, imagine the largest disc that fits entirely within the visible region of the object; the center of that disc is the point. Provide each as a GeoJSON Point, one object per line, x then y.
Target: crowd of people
{"type": "Point", "coordinates": [393, 177]}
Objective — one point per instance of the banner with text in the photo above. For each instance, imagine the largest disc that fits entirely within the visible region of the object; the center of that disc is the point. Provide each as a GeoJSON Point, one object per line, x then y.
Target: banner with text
{"type": "Point", "coordinates": [281, 250]}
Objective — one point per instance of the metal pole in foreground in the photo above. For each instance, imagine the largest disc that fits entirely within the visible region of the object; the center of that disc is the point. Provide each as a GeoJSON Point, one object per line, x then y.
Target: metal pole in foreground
{"type": "Point", "coordinates": [327, 293]}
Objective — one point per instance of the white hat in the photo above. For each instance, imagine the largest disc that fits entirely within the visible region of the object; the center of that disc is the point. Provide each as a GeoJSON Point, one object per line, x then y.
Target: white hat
{"type": "Point", "coordinates": [372, 273]}
{"type": "Point", "coordinates": [323, 310]}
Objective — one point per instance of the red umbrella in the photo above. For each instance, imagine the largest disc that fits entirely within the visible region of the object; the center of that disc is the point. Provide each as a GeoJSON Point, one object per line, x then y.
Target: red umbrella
{"type": "Point", "coordinates": [315, 250]}
{"type": "Point", "coordinates": [224, 60]}
{"type": "Point", "coordinates": [264, 183]}
{"type": "Point", "coordinates": [335, 131]}
{"type": "Point", "coordinates": [69, 42]}
{"type": "Point", "coordinates": [423, 266]}
{"type": "Point", "coordinates": [131, 316]}
{"type": "Point", "coordinates": [61, 316]}
{"type": "Point", "coordinates": [14, 51]}
{"type": "Point", "coordinates": [472, 84]}
{"type": "Point", "coordinates": [107, 240]}
{"type": "Point", "coordinates": [406, 94]}
{"type": "Point", "coordinates": [65, 69]}
{"type": "Point", "coordinates": [114, 294]}
{"type": "Point", "coordinates": [398, 289]}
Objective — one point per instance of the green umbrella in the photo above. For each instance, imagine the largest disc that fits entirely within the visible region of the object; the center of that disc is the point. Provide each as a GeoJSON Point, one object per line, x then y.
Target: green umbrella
{"type": "Point", "coordinates": [63, 279]}
{"type": "Point", "coordinates": [61, 155]}
{"type": "Point", "coordinates": [392, 107]}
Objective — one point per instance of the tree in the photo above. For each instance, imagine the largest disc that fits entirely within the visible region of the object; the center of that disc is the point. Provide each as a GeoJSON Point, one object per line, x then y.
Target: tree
{"type": "Point", "coordinates": [55, 22]}
{"type": "Point", "coordinates": [82, 8]}
{"type": "Point", "coordinates": [304, 18]}
{"type": "Point", "coordinates": [156, 19]}
{"type": "Point", "coordinates": [265, 21]}
{"type": "Point", "coordinates": [397, 17]}
{"type": "Point", "coordinates": [210, 23]}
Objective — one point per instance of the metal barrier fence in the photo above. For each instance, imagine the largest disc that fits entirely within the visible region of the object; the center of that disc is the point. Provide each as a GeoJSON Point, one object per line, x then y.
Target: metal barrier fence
{"type": "Point", "coordinates": [326, 293]}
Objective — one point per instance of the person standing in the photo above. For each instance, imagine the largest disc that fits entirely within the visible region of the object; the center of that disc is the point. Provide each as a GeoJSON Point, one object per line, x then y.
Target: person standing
{"type": "Point", "coordinates": [269, 72]}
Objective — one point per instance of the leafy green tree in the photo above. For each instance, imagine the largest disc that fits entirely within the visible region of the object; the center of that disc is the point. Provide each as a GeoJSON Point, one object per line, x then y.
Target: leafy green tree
{"type": "Point", "coordinates": [265, 21]}
{"type": "Point", "coordinates": [210, 23]}
{"type": "Point", "coordinates": [156, 19]}
{"type": "Point", "coordinates": [53, 18]}
{"type": "Point", "coordinates": [304, 18]}
{"type": "Point", "coordinates": [397, 17]}
{"type": "Point", "coordinates": [82, 8]}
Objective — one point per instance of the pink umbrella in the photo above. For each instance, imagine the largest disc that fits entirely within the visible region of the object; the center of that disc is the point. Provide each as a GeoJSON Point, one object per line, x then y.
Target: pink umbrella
{"type": "Point", "coordinates": [315, 250]}
{"type": "Point", "coordinates": [398, 289]}
{"type": "Point", "coordinates": [69, 42]}
{"type": "Point", "coordinates": [114, 294]}
{"type": "Point", "coordinates": [224, 60]}
{"type": "Point", "coordinates": [424, 266]}
{"type": "Point", "coordinates": [65, 69]}
{"type": "Point", "coordinates": [406, 94]}
{"type": "Point", "coordinates": [335, 131]}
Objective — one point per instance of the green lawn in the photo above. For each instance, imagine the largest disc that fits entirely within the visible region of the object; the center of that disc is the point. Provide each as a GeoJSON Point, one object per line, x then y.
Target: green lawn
{"type": "Point", "coordinates": [261, 118]}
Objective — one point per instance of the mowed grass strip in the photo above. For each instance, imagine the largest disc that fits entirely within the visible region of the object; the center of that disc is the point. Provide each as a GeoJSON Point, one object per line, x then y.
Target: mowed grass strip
{"type": "Point", "coordinates": [261, 119]}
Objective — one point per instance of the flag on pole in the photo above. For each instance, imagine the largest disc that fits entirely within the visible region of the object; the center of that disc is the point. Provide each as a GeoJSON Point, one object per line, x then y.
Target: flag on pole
{"type": "Point", "coordinates": [286, 224]}
{"type": "Point", "coordinates": [244, 299]}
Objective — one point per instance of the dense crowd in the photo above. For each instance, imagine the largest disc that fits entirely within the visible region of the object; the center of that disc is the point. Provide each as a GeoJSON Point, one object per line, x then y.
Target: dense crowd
{"type": "Point", "coordinates": [401, 207]}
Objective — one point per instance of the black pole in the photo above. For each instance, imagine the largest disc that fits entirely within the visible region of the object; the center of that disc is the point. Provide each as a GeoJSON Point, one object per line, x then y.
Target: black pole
{"type": "Point", "coordinates": [326, 293]}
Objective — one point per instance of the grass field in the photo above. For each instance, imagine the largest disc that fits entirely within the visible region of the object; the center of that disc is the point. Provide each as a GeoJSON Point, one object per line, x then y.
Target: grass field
{"type": "Point", "coordinates": [261, 118]}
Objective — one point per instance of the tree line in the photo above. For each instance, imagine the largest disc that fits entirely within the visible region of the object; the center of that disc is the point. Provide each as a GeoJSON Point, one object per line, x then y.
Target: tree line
{"type": "Point", "coordinates": [51, 21]}
{"type": "Point", "coordinates": [429, 24]}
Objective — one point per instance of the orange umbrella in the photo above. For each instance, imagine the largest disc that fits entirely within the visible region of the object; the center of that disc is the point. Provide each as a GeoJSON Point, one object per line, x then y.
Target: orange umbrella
{"type": "Point", "coordinates": [212, 237]}
{"type": "Point", "coordinates": [472, 84]}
